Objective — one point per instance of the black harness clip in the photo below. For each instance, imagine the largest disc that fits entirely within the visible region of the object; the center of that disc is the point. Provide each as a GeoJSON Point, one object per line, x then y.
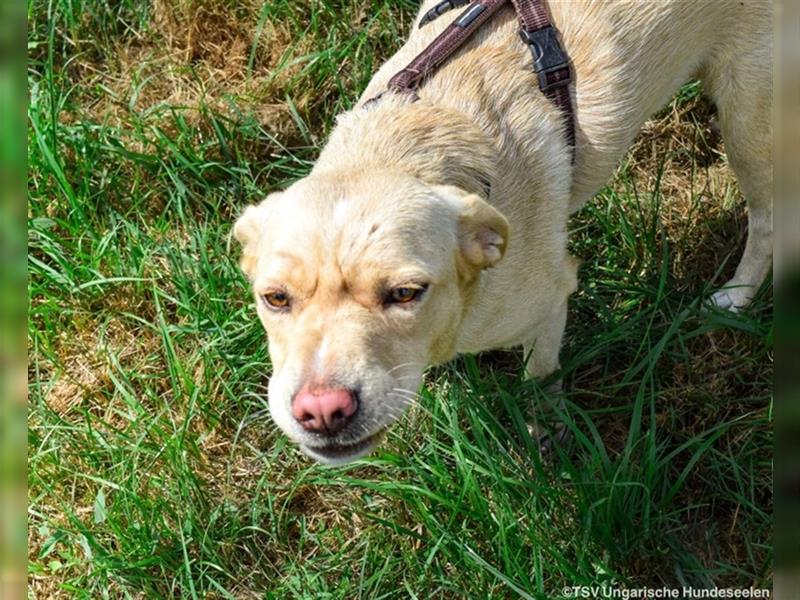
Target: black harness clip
{"type": "Point", "coordinates": [550, 62]}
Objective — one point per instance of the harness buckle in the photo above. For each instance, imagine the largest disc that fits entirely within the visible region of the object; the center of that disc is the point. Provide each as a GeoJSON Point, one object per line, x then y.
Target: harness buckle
{"type": "Point", "coordinates": [550, 62]}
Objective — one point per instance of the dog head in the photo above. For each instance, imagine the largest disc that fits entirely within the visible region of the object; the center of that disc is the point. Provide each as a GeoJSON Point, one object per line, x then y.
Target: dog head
{"type": "Point", "coordinates": [361, 282]}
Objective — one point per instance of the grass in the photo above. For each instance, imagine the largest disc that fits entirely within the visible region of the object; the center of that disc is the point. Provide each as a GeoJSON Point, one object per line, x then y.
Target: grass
{"type": "Point", "coordinates": [153, 468]}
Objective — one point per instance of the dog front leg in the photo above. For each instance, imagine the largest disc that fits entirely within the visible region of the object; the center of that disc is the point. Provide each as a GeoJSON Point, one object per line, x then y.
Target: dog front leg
{"type": "Point", "coordinates": [542, 351]}
{"type": "Point", "coordinates": [542, 354]}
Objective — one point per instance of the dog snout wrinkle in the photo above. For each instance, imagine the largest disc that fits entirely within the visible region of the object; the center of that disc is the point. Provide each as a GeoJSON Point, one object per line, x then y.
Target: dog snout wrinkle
{"type": "Point", "coordinates": [324, 410]}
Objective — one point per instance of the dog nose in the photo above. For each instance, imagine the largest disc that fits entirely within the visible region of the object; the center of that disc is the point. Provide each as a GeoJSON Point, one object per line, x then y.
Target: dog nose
{"type": "Point", "coordinates": [324, 410]}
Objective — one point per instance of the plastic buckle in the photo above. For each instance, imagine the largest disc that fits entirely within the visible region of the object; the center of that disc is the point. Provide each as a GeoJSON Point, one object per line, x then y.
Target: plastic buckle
{"type": "Point", "coordinates": [441, 8]}
{"type": "Point", "coordinates": [548, 56]}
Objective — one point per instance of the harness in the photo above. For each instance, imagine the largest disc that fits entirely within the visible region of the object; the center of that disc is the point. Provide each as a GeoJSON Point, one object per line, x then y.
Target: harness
{"type": "Point", "coordinates": [550, 62]}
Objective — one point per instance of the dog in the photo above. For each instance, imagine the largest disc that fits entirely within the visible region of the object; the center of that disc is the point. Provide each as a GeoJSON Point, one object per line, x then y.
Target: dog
{"type": "Point", "coordinates": [438, 226]}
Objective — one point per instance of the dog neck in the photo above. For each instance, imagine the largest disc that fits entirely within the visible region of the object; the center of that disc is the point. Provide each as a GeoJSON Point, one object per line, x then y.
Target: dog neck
{"type": "Point", "coordinates": [439, 146]}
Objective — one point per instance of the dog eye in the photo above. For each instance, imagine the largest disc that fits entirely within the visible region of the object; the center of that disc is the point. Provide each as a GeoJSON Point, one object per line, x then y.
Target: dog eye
{"type": "Point", "coordinates": [405, 294]}
{"type": "Point", "coordinates": [276, 300]}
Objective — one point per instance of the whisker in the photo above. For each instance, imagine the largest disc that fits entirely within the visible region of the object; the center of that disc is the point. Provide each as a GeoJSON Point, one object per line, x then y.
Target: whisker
{"type": "Point", "coordinates": [402, 365]}
{"type": "Point", "coordinates": [407, 391]}
{"type": "Point", "coordinates": [408, 400]}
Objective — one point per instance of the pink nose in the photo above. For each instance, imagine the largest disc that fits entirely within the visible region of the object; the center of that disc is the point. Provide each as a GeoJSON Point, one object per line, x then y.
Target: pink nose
{"type": "Point", "coordinates": [324, 410]}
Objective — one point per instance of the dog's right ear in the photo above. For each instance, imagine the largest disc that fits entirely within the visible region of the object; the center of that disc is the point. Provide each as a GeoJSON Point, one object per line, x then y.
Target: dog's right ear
{"type": "Point", "coordinates": [247, 230]}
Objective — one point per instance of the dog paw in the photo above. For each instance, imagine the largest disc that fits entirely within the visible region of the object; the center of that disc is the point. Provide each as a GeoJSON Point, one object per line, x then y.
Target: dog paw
{"type": "Point", "coordinates": [554, 388]}
{"type": "Point", "coordinates": [548, 437]}
{"type": "Point", "coordinates": [731, 298]}
{"type": "Point", "coordinates": [546, 428]}
{"type": "Point", "coordinates": [722, 299]}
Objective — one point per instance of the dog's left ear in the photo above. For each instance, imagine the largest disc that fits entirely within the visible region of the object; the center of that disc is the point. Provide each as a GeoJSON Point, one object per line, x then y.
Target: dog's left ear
{"type": "Point", "coordinates": [482, 230]}
{"type": "Point", "coordinates": [247, 230]}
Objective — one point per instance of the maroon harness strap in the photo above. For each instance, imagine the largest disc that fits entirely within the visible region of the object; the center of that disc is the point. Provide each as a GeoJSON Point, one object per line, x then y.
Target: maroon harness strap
{"type": "Point", "coordinates": [446, 43]}
{"type": "Point", "coordinates": [550, 62]}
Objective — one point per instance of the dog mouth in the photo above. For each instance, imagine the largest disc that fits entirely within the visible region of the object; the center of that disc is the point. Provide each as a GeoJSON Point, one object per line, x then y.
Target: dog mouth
{"type": "Point", "coordinates": [337, 453]}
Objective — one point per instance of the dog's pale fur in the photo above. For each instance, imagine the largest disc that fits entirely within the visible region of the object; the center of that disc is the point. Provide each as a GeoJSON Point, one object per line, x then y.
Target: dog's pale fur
{"type": "Point", "coordinates": [399, 197]}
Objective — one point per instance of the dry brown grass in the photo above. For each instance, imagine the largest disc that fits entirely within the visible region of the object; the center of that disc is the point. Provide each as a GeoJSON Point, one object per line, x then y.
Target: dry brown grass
{"type": "Point", "coordinates": [680, 152]}
{"type": "Point", "coordinates": [195, 55]}
{"type": "Point", "coordinates": [87, 351]}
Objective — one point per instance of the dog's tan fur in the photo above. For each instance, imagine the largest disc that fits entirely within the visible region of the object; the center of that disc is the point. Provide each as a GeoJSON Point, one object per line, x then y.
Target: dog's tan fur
{"type": "Point", "coordinates": [398, 196]}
